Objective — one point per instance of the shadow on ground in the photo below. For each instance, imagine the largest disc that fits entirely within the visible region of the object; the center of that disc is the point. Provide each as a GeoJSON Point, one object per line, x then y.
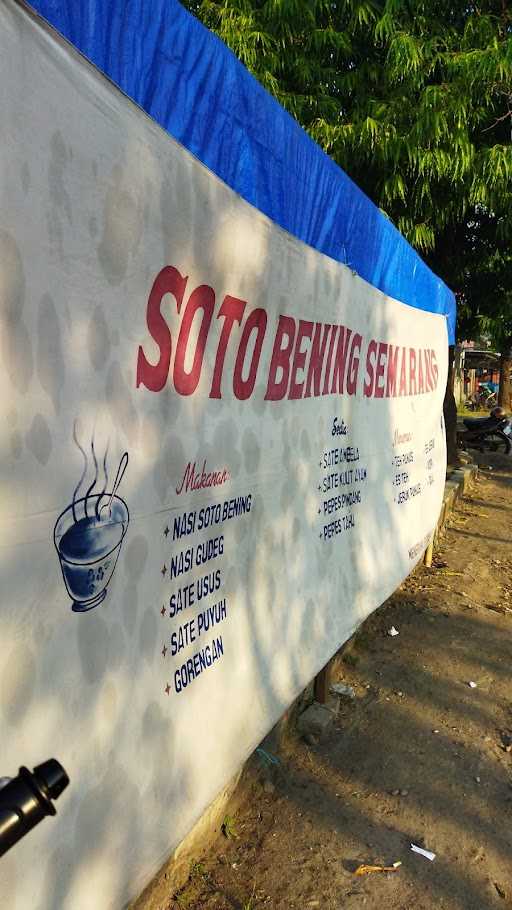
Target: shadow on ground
{"type": "Point", "coordinates": [419, 756]}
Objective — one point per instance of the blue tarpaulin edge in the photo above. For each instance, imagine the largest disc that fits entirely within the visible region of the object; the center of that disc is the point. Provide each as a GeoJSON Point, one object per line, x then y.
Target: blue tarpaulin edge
{"type": "Point", "coordinates": [184, 77]}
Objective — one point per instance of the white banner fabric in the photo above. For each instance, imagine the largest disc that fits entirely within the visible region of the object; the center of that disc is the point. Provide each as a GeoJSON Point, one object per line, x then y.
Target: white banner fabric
{"type": "Point", "coordinates": [220, 451]}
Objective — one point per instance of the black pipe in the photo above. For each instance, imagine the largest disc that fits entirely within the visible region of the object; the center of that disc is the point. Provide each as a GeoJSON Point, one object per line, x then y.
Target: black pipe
{"type": "Point", "coordinates": [28, 798]}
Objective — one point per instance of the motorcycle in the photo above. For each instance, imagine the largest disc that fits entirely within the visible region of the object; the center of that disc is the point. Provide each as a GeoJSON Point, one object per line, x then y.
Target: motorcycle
{"type": "Point", "coordinates": [491, 433]}
{"type": "Point", "coordinates": [484, 399]}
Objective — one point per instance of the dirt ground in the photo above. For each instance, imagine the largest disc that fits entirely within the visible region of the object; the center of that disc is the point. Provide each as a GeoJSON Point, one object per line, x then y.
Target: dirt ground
{"type": "Point", "coordinates": [419, 756]}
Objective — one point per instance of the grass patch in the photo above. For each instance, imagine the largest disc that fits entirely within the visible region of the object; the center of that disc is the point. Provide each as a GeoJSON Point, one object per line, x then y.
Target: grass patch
{"type": "Point", "coordinates": [350, 659]}
{"type": "Point", "coordinates": [229, 828]}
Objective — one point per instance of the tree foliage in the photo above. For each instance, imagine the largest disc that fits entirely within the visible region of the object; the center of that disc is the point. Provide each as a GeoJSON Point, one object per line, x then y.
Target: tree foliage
{"type": "Point", "coordinates": [413, 98]}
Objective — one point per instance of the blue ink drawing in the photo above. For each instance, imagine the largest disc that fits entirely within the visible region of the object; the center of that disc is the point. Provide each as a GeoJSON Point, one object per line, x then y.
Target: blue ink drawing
{"type": "Point", "coordinates": [88, 536]}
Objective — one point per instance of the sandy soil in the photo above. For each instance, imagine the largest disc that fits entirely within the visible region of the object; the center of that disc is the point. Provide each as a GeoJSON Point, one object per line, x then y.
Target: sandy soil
{"type": "Point", "coordinates": [418, 756]}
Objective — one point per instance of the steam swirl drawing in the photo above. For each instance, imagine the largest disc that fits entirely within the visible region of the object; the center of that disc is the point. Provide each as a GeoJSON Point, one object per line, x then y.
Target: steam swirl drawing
{"type": "Point", "coordinates": [89, 533]}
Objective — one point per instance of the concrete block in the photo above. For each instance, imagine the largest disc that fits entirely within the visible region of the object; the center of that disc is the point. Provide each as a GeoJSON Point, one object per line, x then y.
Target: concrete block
{"type": "Point", "coordinates": [451, 492]}
{"type": "Point", "coordinates": [316, 720]}
{"type": "Point", "coordinates": [470, 473]}
{"type": "Point", "coordinates": [442, 516]}
{"type": "Point", "coordinates": [449, 499]}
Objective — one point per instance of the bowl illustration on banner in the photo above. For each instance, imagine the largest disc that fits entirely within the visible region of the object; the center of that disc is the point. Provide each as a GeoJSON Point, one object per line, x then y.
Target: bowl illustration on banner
{"type": "Point", "coordinates": [88, 536]}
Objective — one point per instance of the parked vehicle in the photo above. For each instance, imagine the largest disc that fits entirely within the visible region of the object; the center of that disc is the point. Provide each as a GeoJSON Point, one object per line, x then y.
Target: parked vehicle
{"type": "Point", "coordinates": [492, 434]}
{"type": "Point", "coordinates": [484, 398]}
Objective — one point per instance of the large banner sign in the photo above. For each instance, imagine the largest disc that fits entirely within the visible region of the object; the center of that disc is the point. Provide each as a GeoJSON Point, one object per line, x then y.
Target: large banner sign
{"type": "Point", "coordinates": [220, 451]}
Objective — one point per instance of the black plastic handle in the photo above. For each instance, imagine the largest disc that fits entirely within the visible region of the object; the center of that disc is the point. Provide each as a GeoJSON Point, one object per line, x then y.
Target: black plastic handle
{"type": "Point", "coordinates": [28, 798]}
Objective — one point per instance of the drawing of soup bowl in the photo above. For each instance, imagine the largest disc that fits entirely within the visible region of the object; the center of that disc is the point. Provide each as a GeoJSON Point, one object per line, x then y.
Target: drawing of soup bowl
{"type": "Point", "coordinates": [88, 543]}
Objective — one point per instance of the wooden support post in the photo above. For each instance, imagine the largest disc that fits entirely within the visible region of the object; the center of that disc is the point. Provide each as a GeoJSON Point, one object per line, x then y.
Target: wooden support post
{"type": "Point", "coordinates": [427, 559]}
{"type": "Point", "coordinates": [322, 683]}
